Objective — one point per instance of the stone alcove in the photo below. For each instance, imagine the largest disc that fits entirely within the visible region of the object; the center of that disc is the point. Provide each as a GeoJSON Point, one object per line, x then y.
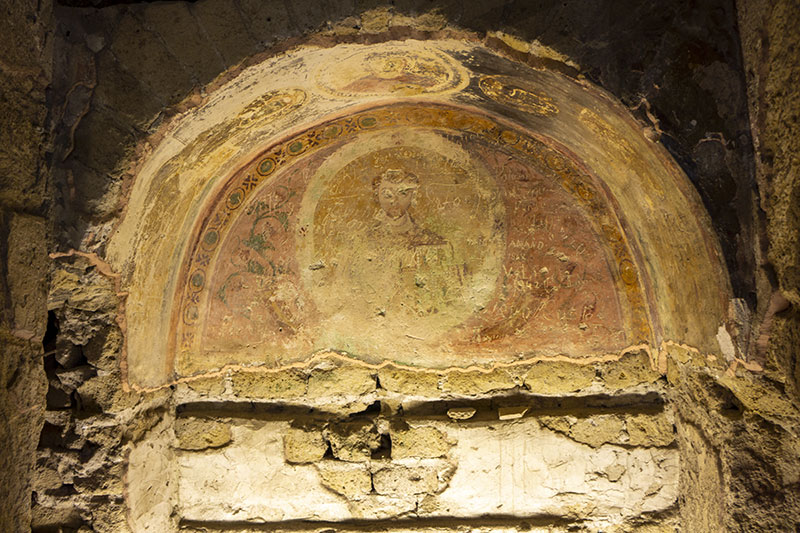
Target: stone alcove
{"type": "Point", "coordinates": [496, 360]}
{"type": "Point", "coordinates": [688, 438]}
{"type": "Point", "coordinates": [533, 190]}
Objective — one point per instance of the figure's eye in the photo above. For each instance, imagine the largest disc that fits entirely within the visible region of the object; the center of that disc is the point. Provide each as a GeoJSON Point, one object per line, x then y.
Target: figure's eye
{"type": "Point", "coordinates": [404, 192]}
{"type": "Point", "coordinates": [386, 193]}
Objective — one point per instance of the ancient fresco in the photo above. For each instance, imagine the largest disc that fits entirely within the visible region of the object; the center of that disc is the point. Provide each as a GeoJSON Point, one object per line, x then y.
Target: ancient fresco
{"type": "Point", "coordinates": [510, 92]}
{"type": "Point", "coordinates": [381, 230]}
{"type": "Point", "coordinates": [428, 236]}
{"type": "Point", "coordinates": [401, 69]}
{"type": "Point", "coordinates": [606, 133]}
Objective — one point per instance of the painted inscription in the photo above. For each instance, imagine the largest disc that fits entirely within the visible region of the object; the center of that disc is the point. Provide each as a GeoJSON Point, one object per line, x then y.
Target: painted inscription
{"type": "Point", "coordinates": [557, 288]}
{"type": "Point", "coordinates": [403, 69]}
{"type": "Point", "coordinates": [409, 244]}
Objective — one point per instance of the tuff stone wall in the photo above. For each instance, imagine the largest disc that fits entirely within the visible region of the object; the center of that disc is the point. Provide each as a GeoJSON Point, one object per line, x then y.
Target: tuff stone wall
{"type": "Point", "coordinates": [119, 72]}
{"type": "Point", "coordinates": [340, 446]}
{"type": "Point", "coordinates": [770, 52]}
{"type": "Point", "coordinates": [523, 468]}
{"type": "Point", "coordinates": [339, 441]}
{"type": "Point", "coordinates": [746, 448]}
{"type": "Point", "coordinates": [25, 185]}
{"type": "Point", "coordinates": [740, 428]}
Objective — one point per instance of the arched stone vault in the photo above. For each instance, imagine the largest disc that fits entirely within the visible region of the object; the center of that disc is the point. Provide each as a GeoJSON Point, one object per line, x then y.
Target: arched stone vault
{"type": "Point", "coordinates": [546, 436]}
{"type": "Point", "coordinates": [593, 243]}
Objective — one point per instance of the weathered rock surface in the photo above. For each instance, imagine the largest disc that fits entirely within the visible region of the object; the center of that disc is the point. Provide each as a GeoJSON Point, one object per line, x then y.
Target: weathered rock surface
{"type": "Point", "coordinates": [198, 434]}
{"type": "Point", "coordinates": [515, 466]}
{"type": "Point", "coordinates": [721, 456]}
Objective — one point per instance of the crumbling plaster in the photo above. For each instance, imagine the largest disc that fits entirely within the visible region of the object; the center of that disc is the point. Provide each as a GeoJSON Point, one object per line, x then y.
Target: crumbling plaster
{"type": "Point", "coordinates": [736, 426]}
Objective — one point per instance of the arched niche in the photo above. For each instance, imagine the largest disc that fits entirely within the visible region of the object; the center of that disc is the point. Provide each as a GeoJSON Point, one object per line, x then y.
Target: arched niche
{"type": "Point", "coordinates": [537, 221]}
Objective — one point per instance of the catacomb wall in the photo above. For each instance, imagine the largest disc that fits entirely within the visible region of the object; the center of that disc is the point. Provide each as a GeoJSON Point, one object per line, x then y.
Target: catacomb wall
{"type": "Point", "coordinates": [25, 228]}
{"type": "Point", "coordinates": [123, 71]}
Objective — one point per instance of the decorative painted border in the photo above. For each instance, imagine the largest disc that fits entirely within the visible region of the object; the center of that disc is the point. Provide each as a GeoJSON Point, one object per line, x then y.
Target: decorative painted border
{"type": "Point", "coordinates": [457, 76]}
{"type": "Point", "coordinates": [545, 158]}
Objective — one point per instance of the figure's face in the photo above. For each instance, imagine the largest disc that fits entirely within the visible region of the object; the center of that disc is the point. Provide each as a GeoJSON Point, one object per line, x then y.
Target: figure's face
{"type": "Point", "coordinates": [395, 198]}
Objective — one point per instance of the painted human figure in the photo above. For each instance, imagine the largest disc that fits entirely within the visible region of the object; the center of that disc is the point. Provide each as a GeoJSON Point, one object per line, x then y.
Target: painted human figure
{"type": "Point", "coordinates": [417, 267]}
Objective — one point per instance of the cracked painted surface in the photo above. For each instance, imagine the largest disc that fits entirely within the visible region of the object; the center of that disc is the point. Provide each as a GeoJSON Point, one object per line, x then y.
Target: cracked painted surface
{"type": "Point", "coordinates": [403, 244]}
{"type": "Point", "coordinates": [270, 254]}
{"type": "Point", "coordinates": [106, 453]}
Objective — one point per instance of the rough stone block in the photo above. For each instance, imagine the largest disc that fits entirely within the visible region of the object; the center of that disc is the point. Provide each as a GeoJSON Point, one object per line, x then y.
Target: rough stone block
{"type": "Point", "coordinates": [198, 434]}
{"type": "Point", "coordinates": [100, 145]}
{"type": "Point", "coordinates": [104, 350]}
{"type": "Point", "coordinates": [142, 53]}
{"type": "Point", "coordinates": [558, 423]}
{"type": "Point", "coordinates": [73, 378]}
{"type": "Point", "coordinates": [267, 21]}
{"type": "Point", "coordinates": [208, 386]}
{"type": "Point", "coordinates": [649, 430]}
{"type": "Point", "coordinates": [421, 441]}
{"type": "Point", "coordinates": [557, 377]}
{"type": "Point", "coordinates": [6, 310]}
{"type": "Point", "coordinates": [123, 93]}
{"type": "Point", "coordinates": [306, 17]}
{"type": "Point", "coordinates": [352, 481]}
{"type": "Point", "coordinates": [27, 262]}
{"type": "Point", "coordinates": [58, 395]}
{"type": "Point", "coordinates": [353, 441]}
{"type": "Point", "coordinates": [704, 489]}
{"type": "Point", "coordinates": [475, 383]}
{"type": "Point", "coordinates": [304, 445]}
{"type": "Point", "coordinates": [598, 430]}
{"type": "Point", "coordinates": [376, 20]}
{"type": "Point", "coordinates": [67, 354]}
{"type": "Point", "coordinates": [342, 381]}
{"type": "Point", "coordinates": [98, 194]}
{"type": "Point", "coordinates": [409, 382]}
{"type": "Point", "coordinates": [23, 183]}
{"type": "Point", "coordinates": [425, 18]}
{"type": "Point", "coordinates": [592, 430]}
{"type": "Point", "coordinates": [78, 284]}
{"type": "Point", "coordinates": [104, 480]}
{"type": "Point", "coordinates": [400, 480]}
{"type": "Point", "coordinates": [20, 24]}
{"type": "Point", "coordinates": [46, 477]}
{"type": "Point", "coordinates": [104, 393]}
{"type": "Point", "coordinates": [268, 385]}
{"type": "Point", "coordinates": [673, 370]}
{"type": "Point", "coordinates": [22, 410]}
{"type": "Point", "coordinates": [783, 349]}
{"type": "Point", "coordinates": [56, 515]}
{"type": "Point", "coordinates": [631, 370]}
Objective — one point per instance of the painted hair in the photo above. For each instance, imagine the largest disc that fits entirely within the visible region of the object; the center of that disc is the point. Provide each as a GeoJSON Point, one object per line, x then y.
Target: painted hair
{"type": "Point", "coordinates": [396, 177]}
